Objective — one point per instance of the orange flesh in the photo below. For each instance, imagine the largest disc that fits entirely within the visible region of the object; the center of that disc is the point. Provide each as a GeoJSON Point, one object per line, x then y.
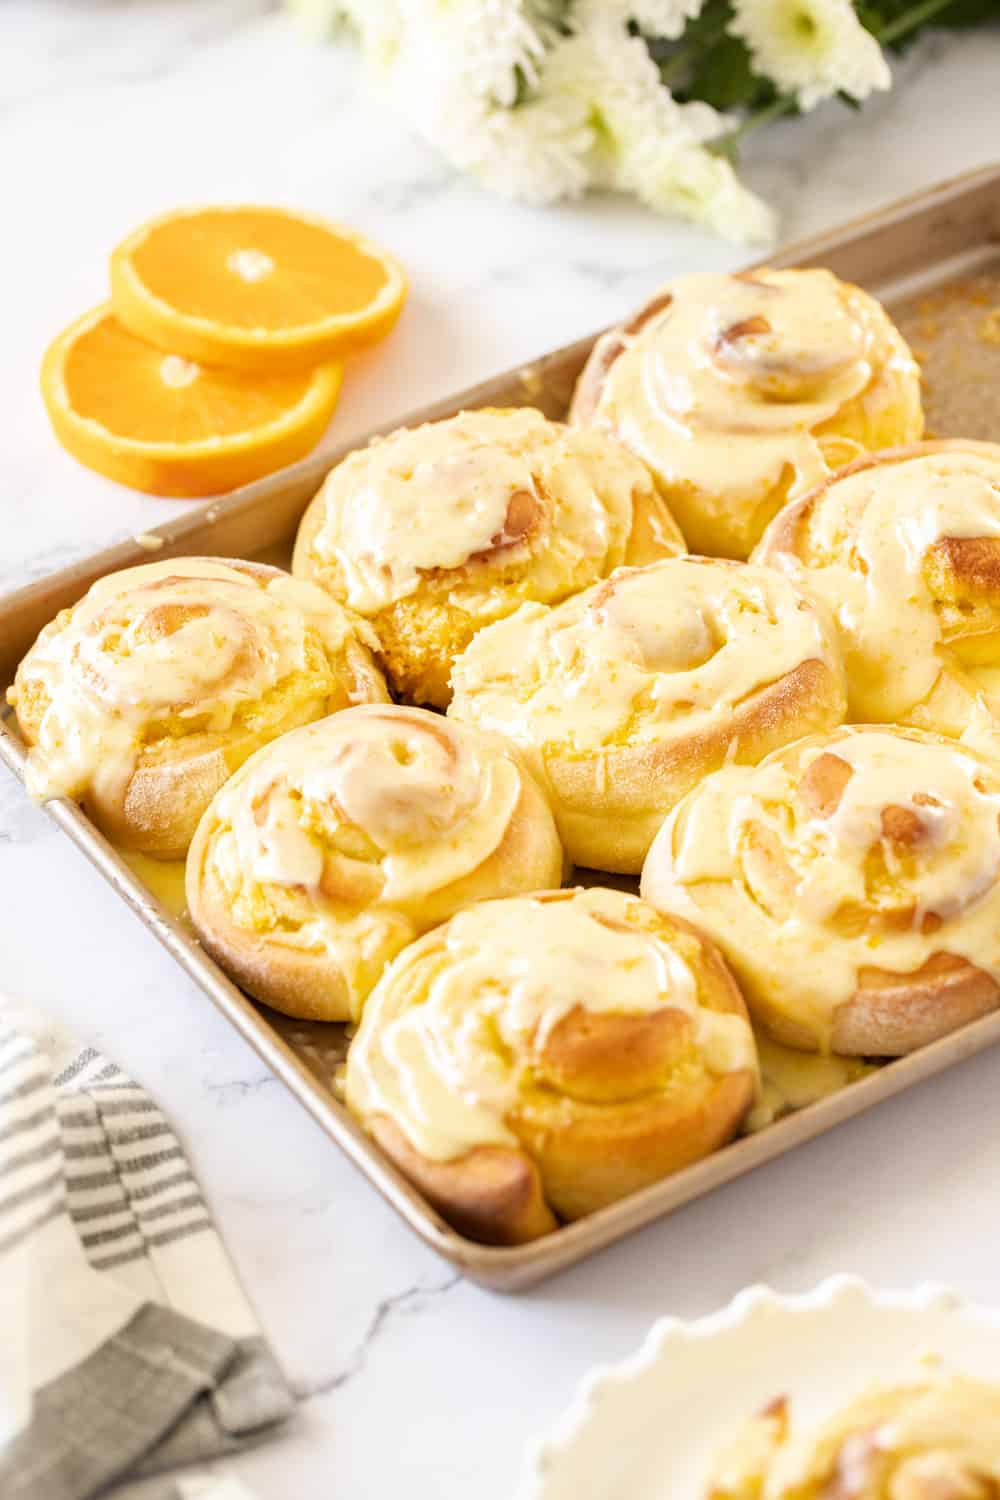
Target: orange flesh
{"type": "Point", "coordinates": [315, 274]}
{"type": "Point", "coordinates": [118, 381]}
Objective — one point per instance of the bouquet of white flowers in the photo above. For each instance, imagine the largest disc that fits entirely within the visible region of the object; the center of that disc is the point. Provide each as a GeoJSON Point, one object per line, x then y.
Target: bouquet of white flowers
{"type": "Point", "coordinates": [543, 99]}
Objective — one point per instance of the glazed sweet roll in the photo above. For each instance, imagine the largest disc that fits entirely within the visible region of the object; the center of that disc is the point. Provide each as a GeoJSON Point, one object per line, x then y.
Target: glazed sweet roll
{"type": "Point", "coordinates": [741, 391]}
{"type": "Point", "coordinates": [935, 1438]}
{"type": "Point", "coordinates": [853, 882]}
{"type": "Point", "coordinates": [144, 697]}
{"type": "Point", "coordinates": [340, 843]}
{"type": "Point", "coordinates": [904, 548]}
{"type": "Point", "coordinates": [538, 1058]}
{"type": "Point", "coordinates": [434, 532]}
{"type": "Point", "coordinates": [631, 692]}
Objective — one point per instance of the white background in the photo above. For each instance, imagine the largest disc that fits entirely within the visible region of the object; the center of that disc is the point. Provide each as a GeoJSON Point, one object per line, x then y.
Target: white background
{"type": "Point", "coordinates": [113, 111]}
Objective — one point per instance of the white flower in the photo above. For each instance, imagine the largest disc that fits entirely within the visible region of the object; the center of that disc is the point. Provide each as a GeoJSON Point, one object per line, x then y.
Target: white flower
{"type": "Point", "coordinates": [535, 113]}
{"type": "Point", "coordinates": [379, 23]}
{"type": "Point", "coordinates": [454, 77]}
{"type": "Point", "coordinates": [665, 18]}
{"type": "Point", "coordinates": [697, 184]}
{"type": "Point", "coordinates": [494, 46]}
{"type": "Point", "coordinates": [613, 77]}
{"type": "Point", "coordinates": [499, 42]}
{"type": "Point", "coordinates": [538, 153]}
{"type": "Point", "coordinates": [659, 18]}
{"type": "Point", "coordinates": [320, 17]}
{"type": "Point", "coordinates": [811, 48]}
{"type": "Point", "coordinates": [644, 141]}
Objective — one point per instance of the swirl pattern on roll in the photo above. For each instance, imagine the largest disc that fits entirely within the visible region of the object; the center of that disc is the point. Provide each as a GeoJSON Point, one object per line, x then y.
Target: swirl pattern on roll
{"type": "Point", "coordinates": [739, 392]}
{"type": "Point", "coordinates": [146, 695]}
{"type": "Point", "coordinates": [853, 882]}
{"type": "Point", "coordinates": [904, 548]}
{"type": "Point", "coordinates": [432, 532]}
{"type": "Point", "coordinates": [935, 1438]}
{"type": "Point", "coordinates": [545, 1055]}
{"type": "Point", "coordinates": [341, 842]}
{"type": "Point", "coordinates": [631, 691]}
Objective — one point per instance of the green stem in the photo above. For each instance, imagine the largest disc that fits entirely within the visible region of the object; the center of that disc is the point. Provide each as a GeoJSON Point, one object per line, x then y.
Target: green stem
{"type": "Point", "coordinates": [910, 20]}
{"type": "Point", "coordinates": [783, 105]}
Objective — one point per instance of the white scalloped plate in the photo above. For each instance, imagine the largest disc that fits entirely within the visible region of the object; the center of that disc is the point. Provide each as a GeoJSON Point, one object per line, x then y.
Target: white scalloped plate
{"type": "Point", "coordinates": [648, 1429]}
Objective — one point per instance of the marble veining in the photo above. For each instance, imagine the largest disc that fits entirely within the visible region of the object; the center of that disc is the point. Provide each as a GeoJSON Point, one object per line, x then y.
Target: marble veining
{"type": "Point", "coordinates": [111, 110]}
{"type": "Point", "coordinates": [407, 1303]}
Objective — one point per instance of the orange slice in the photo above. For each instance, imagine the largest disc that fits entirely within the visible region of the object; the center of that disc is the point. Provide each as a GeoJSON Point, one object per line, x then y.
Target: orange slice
{"type": "Point", "coordinates": [160, 423]}
{"type": "Point", "coordinates": [257, 289]}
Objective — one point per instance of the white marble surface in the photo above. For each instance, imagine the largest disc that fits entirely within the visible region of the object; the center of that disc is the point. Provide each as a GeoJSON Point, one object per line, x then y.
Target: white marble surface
{"type": "Point", "coordinates": [111, 111]}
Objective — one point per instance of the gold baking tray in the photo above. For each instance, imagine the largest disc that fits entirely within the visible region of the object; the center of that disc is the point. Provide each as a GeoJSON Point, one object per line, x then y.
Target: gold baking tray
{"type": "Point", "coordinates": [934, 259]}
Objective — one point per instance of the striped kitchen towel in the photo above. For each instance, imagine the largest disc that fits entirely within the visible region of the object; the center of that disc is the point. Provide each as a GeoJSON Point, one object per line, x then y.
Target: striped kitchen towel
{"type": "Point", "coordinates": [127, 1346]}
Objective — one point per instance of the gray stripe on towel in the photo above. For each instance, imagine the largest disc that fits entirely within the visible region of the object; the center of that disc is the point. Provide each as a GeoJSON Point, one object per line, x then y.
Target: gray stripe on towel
{"type": "Point", "coordinates": [33, 1190]}
{"type": "Point", "coordinates": [25, 1123]}
{"type": "Point", "coordinates": [36, 1079]}
{"type": "Point", "coordinates": [168, 1236]}
{"type": "Point", "coordinates": [98, 1420]}
{"type": "Point", "coordinates": [76, 1067]}
{"type": "Point", "coordinates": [32, 1154]}
{"type": "Point", "coordinates": [15, 1236]}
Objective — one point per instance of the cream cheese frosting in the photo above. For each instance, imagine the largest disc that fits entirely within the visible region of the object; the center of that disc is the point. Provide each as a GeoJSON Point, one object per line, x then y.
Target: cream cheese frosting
{"type": "Point", "coordinates": [938, 1439]}
{"type": "Point", "coordinates": [649, 654]}
{"type": "Point", "coordinates": [868, 539]}
{"type": "Point", "coordinates": [727, 385]}
{"type": "Point", "coordinates": [790, 892]}
{"type": "Point", "coordinates": [432, 798]}
{"type": "Point", "coordinates": [791, 1080]}
{"type": "Point", "coordinates": [447, 1037]}
{"type": "Point", "coordinates": [174, 647]}
{"type": "Point", "coordinates": [343, 837]}
{"type": "Point", "coordinates": [484, 484]}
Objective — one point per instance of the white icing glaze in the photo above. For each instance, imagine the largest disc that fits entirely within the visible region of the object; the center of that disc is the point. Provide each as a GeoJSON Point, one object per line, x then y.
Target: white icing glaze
{"type": "Point", "coordinates": [785, 943]}
{"type": "Point", "coordinates": [867, 543]}
{"type": "Point", "coordinates": [938, 1439]}
{"type": "Point", "coordinates": [653, 653]}
{"type": "Point", "coordinates": [433, 798]}
{"type": "Point", "coordinates": [354, 824]}
{"type": "Point", "coordinates": [958, 1420]}
{"type": "Point", "coordinates": [731, 381]}
{"type": "Point", "coordinates": [163, 877]}
{"type": "Point", "coordinates": [792, 1080]}
{"type": "Point", "coordinates": [432, 498]}
{"type": "Point", "coordinates": [450, 1031]}
{"type": "Point", "coordinates": [186, 642]}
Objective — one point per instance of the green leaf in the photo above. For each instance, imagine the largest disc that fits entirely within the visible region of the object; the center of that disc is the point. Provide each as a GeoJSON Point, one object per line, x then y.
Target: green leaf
{"type": "Point", "coordinates": [707, 63]}
{"type": "Point", "coordinates": [710, 22]}
{"type": "Point", "coordinates": [970, 13]}
{"type": "Point", "coordinates": [888, 17]}
{"type": "Point", "coordinates": [724, 77]}
{"type": "Point", "coordinates": [874, 17]}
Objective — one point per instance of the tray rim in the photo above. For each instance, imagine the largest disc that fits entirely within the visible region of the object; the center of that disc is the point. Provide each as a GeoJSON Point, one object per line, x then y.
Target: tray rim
{"type": "Point", "coordinates": [311, 470]}
{"type": "Point", "coordinates": [502, 1269]}
{"type": "Point", "coordinates": [499, 1268]}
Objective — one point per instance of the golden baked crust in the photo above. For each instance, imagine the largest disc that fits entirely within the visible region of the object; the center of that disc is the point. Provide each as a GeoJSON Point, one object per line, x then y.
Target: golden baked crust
{"type": "Point", "coordinates": [633, 691]}
{"type": "Point", "coordinates": [144, 697]}
{"type": "Point", "coordinates": [433, 532]}
{"type": "Point", "coordinates": [904, 548]}
{"type": "Point", "coordinates": [935, 1438]}
{"type": "Point", "coordinates": [852, 880]}
{"type": "Point", "coordinates": [740, 391]}
{"type": "Point", "coordinates": [340, 843]}
{"type": "Point", "coordinates": [537, 1058]}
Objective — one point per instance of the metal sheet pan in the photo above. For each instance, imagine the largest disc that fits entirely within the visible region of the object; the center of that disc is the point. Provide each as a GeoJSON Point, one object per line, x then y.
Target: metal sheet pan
{"type": "Point", "coordinates": [934, 259]}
